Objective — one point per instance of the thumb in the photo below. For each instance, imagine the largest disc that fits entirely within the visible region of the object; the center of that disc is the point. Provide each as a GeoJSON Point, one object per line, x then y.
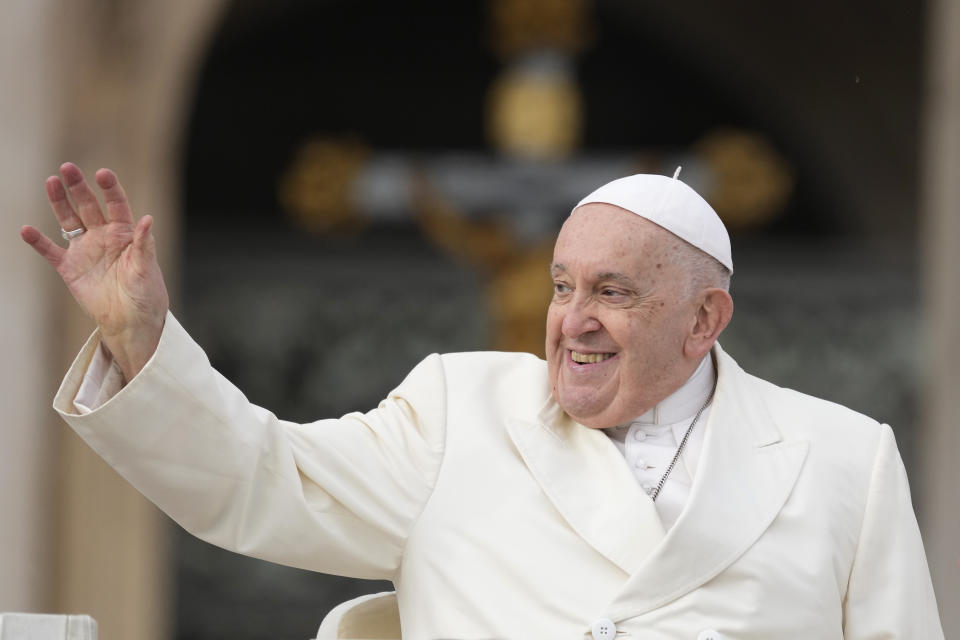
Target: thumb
{"type": "Point", "coordinates": [142, 238]}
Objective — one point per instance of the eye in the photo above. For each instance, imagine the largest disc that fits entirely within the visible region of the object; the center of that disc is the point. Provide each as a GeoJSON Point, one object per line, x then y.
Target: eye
{"type": "Point", "coordinates": [560, 288]}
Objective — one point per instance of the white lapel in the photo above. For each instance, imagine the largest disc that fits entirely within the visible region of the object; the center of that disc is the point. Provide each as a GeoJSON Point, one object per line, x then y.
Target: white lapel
{"type": "Point", "coordinates": [586, 479]}
{"type": "Point", "coordinates": [745, 474]}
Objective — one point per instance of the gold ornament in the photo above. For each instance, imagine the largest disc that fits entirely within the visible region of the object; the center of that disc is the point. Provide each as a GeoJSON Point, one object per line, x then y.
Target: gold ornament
{"type": "Point", "coordinates": [534, 115]}
{"type": "Point", "coordinates": [316, 190]}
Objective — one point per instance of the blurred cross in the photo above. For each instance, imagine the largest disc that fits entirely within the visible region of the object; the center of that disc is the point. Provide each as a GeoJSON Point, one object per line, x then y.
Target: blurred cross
{"type": "Point", "coordinates": [499, 210]}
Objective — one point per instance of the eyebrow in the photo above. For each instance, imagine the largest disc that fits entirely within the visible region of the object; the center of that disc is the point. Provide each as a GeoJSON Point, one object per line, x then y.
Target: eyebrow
{"type": "Point", "coordinates": [614, 276]}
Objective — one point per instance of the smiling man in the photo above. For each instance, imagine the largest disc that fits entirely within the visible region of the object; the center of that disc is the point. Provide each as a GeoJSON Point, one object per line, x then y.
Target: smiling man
{"type": "Point", "coordinates": [638, 484]}
{"type": "Point", "coordinates": [633, 312]}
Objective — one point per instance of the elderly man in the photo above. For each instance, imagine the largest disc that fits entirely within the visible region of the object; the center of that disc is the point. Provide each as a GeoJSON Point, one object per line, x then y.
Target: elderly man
{"type": "Point", "coordinates": [638, 484]}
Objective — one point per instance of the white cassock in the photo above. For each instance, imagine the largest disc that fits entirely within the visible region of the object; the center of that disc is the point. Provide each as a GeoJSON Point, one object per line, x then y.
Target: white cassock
{"type": "Point", "coordinates": [650, 442]}
{"type": "Point", "coordinates": [497, 516]}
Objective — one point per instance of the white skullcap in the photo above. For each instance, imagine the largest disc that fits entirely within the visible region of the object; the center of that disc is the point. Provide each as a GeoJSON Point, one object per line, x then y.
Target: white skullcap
{"type": "Point", "coordinates": [673, 205]}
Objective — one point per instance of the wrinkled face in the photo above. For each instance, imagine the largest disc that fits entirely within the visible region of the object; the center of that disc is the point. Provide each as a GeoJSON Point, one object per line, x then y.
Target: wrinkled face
{"type": "Point", "coordinates": [619, 316]}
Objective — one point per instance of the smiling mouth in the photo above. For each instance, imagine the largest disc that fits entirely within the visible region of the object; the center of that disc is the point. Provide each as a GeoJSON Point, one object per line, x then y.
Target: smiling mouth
{"type": "Point", "coordinates": [589, 358]}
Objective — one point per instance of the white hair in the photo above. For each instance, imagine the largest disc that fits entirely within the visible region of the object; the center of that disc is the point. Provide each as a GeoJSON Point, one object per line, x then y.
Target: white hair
{"type": "Point", "coordinates": [703, 271]}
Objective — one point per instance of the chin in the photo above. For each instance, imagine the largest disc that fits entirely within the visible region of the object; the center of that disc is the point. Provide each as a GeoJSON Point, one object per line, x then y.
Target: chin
{"type": "Point", "coordinates": [593, 417]}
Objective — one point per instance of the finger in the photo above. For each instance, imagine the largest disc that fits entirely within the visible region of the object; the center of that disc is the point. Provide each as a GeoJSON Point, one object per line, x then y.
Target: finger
{"type": "Point", "coordinates": [43, 245]}
{"type": "Point", "coordinates": [118, 208]}
{"type": "Point", "coordinates": [85, 200]}
{"type": "Point", "coordinates": [57, 195]}
{"type": "Point", "coordinates": [142, 238]}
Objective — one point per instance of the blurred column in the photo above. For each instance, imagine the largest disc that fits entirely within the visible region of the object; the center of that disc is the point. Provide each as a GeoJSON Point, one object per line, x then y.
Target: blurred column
{"type": "Point", "coordinates": [939, 496]}
{"type": "Point", "coordinates": [29, 115]}
{"type": "Point", "coordinates": [100, 83]}
{"type": "Point", "coordinates": [129, 72]}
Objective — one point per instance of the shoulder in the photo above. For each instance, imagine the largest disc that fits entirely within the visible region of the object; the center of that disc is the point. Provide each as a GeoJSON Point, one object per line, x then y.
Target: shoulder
{"type": "Point", "coordinates": [843, 448]}
{"type": "Point", "coordinates": [826, 425]}
{"type": "Point", "coordinates": [496, 363]}
{"type": "Point", "coordinates": [514, 381]}
{"type": "Point", "coordinates": [465, 386]}
{"type": "Point", "coordinates": [492, 370]}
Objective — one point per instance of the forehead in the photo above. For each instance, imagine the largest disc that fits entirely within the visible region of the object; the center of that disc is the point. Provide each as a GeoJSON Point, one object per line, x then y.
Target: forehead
{"type": "Point", "coordinates": [608, 237]}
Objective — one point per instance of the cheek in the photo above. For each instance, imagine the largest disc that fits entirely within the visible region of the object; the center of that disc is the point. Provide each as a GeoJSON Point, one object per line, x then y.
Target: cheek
{"type": "Point", "coordinates": [554, 323]}
{"type": "Point", "coordinates": [631, 332]}
{"type": "Point", "coordinates": [653, 343]}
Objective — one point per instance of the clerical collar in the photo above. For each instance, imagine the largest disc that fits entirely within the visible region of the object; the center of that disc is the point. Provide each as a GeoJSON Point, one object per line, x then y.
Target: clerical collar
{"type": "Point", "coordinates": [683, 403]}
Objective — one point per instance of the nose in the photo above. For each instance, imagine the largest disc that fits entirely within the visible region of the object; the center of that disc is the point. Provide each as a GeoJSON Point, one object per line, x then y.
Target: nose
{"type": "Point", "coordinates": [579, 318]}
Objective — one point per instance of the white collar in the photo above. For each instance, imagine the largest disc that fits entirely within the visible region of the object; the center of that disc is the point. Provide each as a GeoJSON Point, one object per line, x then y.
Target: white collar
{"type": "Point", "coordinates": [683, 403]}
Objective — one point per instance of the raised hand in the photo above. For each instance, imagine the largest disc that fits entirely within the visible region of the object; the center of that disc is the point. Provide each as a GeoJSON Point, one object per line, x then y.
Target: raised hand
{"type": "Point", "coordinates": [111, 268]}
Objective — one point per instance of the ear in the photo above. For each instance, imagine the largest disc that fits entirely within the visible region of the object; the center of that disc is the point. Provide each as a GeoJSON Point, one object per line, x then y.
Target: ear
{"type": "Point", "coordinates": [712, 316]}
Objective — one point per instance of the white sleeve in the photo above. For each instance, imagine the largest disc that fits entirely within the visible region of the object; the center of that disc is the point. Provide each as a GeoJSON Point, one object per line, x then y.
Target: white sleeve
{"type": "Point", "coordinates": [338, 496]}
{"type": "Point", "coordinates": [890, 595]}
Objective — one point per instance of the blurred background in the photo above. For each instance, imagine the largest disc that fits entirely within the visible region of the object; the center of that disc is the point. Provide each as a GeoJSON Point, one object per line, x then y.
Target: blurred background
{"type": "Point", "coordinates": [342, 188]}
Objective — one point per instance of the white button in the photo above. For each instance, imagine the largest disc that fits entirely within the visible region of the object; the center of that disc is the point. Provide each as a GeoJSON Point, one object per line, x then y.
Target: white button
{"type": "Point", "coordinates": [710, 634]}
{"type": "Point", "coordinates": [640, 435]}
{"type": "Point", "coordinates": [640, 464]}
{"type": "Point", "coordinates": [648, 487]}
{"type": "Point", "coordinates": [604, 629]}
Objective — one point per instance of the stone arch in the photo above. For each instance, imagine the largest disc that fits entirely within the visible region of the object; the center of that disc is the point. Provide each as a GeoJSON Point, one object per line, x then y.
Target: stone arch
{"type": "Point", "coordinates": [124, 86]}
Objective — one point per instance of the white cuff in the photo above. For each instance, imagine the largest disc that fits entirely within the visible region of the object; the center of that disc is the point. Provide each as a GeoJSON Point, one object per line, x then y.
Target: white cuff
{"type": "Point", "coordinates": [101, 381]}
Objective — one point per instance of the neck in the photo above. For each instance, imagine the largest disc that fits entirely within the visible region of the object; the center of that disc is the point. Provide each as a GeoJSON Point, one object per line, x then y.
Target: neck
{"type": "Point", "coordinates": [683, 403]}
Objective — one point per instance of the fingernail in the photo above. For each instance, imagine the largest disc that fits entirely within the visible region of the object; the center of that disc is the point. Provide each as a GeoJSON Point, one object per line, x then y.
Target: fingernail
{"type": "Point", "coordinates": [71, 173]}
{"type": "Point", "coordinates": [55, 187]}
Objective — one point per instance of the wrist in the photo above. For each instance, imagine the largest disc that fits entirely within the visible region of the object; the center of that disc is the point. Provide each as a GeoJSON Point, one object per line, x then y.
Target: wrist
{"type": "Point", "coordinates": [132, 347]}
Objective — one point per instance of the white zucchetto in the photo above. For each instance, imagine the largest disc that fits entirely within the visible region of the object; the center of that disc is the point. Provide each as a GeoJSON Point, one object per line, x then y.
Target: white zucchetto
{"type": "Point", "coordinates": [673, 205]}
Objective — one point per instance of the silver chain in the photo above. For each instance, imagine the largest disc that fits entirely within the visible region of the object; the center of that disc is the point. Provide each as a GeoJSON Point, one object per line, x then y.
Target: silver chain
{"type": "Point", "coordinates": [653, 493]}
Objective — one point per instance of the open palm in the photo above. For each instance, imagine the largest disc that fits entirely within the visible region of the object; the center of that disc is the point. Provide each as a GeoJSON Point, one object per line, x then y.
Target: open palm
{"type": "Point", "coordinates": [111, 269]}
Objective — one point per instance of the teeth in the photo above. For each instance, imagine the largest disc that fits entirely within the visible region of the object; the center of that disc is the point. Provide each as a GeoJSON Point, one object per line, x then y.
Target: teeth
{"type": "Point", "coordinates": [589, 358]}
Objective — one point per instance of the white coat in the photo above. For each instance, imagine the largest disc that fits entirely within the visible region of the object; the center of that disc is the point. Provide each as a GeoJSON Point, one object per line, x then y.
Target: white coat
{"type": "Point", "coordinates": [497, 516]}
